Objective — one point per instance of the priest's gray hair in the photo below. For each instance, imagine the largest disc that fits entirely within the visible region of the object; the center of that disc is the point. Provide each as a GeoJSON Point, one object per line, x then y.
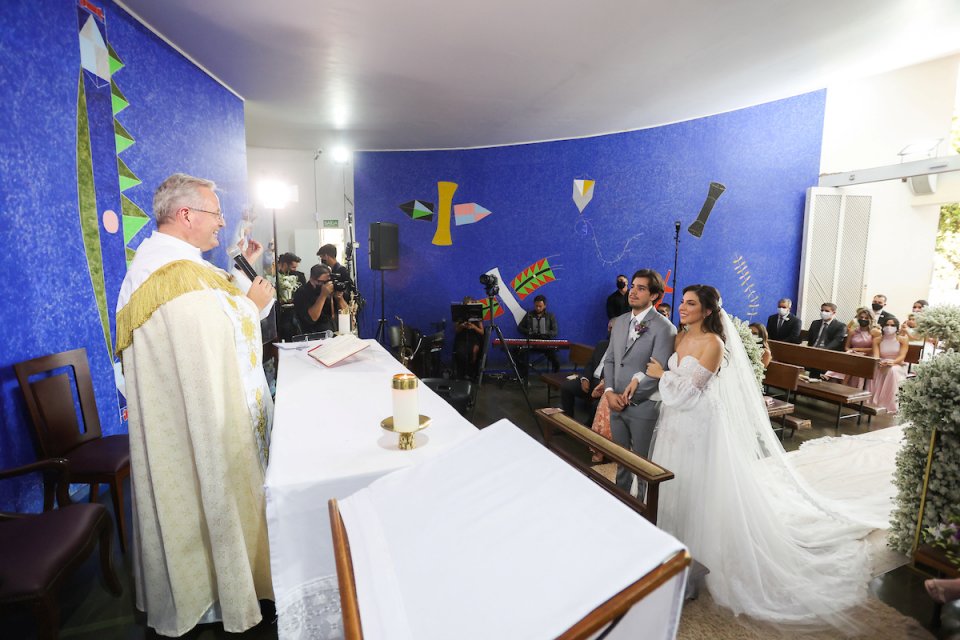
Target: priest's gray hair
{"type": "Point", "coordinates": [179, 190]}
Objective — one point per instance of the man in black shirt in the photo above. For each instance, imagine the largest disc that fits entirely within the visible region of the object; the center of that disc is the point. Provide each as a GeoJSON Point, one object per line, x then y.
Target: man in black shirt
{"type": "Point", "coordinates": [617, 303]}
{"type": "Point", "coordinates": [287, 264]}
{"type": "Point", "coordinates": [328, 256]}
{"type": "Point", "coordinates": [314, 302]}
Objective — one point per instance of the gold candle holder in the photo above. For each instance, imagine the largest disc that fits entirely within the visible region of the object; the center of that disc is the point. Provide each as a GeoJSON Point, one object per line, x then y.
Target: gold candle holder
{"type": "Point", "coordinates": [407, 438]}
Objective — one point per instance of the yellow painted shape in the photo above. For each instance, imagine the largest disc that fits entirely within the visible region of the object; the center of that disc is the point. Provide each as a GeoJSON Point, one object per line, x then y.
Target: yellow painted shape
{"type": "Point", "coordinates": [445, 191]}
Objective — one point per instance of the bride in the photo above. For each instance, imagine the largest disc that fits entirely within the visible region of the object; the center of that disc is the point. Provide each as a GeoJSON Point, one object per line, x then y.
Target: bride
{"type": "Point", "coordinates": [776, 551]}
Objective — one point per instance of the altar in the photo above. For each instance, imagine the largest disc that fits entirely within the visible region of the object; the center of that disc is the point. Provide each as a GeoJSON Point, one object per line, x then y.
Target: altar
{"type": "Point", "coordinates": [327, 443]}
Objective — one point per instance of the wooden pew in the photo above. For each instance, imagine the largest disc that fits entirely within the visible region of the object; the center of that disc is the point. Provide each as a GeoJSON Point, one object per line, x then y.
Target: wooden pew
{"type": "Point", "coordinates": [783, 376]}
{"type": "Point", "coordinates": [553, 421]}
{"type": "Point", "coordinates": [860, 366]}
{"type": "Point", "coordinates": [580, 355]}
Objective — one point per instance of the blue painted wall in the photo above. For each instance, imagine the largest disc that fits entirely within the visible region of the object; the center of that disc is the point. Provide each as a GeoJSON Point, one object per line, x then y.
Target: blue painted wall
{"type": "Point", "coordinates": [181, 120]}
{"type": "Point", "coordinates": [766, 156]}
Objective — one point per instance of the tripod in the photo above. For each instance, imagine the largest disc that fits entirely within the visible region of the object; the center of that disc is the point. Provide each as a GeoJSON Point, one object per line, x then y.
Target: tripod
{"type": "Point", "coordinates": [494, 329]}
{"type": "Point", "coordinates": [676, 254]}
{"type": "Point", "coordinates": [382, 322]}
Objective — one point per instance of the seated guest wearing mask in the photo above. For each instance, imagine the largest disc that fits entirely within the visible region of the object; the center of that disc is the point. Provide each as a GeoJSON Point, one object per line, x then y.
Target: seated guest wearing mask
{"type": "Point", "coordinates": [827, 332]}
{"type": "Point", "coordinates": [783, 325]}
{"type": "Point", "coordinates": [891, 348]}
{"type": "Point", "coordinates": [860, 334]}
{"type": "Point", "coordinates": [538, 324]}
{"type": "Point", "coordinates": [314, 302]}
{"type": "Point", "coordinates": [877, 307]}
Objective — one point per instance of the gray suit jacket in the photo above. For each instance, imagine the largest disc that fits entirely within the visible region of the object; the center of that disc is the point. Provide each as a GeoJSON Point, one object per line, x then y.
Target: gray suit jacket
{"type": "Point", "coordinates": [625, 358]}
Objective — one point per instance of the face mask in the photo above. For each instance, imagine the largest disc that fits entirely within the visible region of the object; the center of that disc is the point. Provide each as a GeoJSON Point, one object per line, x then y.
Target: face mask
{"type": "Point", "coordinates": [889, 330]}
{"type": "Point", "coordinates": [864, 322]}
{"type": "Point", "coordinates": [876, 306]}
{"type": "Point", "coordinates": [783, 312]}
{"type": "Point", "coordinates": [621, 284]}
{"type": "Point", "coordinates": [826, 315]}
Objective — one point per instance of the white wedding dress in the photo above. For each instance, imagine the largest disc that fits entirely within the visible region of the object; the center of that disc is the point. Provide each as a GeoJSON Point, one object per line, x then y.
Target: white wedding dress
{"type": "Point", "coordinates": [776, 551]}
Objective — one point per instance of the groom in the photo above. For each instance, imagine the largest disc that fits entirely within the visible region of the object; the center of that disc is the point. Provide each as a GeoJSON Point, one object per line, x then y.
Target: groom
{"type": "Point", "coordinates": [635, 338]}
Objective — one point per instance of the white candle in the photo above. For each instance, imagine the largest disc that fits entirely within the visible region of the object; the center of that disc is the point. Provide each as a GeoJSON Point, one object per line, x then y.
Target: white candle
{"type": "Point", "coordinates": [344, 323]}
{"type": "Point", "coordinates": [406, 412]}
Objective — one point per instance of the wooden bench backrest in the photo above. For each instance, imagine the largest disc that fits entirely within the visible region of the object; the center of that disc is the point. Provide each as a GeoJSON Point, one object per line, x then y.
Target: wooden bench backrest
{"type": "Point", "coordinates": [580, 354]}
{"type": "Point", "coordinates": [824, 359]}
{"type": "Point", "coordinates": [914, 351]}
{"type": "Point", "coordinates": [782, 375]}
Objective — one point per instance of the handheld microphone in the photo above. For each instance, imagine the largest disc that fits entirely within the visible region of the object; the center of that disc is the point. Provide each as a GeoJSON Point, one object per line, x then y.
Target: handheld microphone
{"type": "Point", "coordinates": [244, 265]}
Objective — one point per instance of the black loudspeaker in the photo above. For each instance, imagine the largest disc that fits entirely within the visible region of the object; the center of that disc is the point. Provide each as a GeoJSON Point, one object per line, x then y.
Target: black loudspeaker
{"type": "Point", "coordinates": [384, 246]}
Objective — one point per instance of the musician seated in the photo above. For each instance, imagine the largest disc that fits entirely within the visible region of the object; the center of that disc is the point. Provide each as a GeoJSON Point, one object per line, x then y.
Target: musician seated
{"type": "Point", "coordinates": [538, 324]}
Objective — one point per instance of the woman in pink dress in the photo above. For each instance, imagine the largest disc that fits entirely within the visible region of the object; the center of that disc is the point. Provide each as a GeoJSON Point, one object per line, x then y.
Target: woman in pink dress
{"type": "Point", "coordinates": [860, 334]}
{"type": "Point", "coordinates": [891, 348]}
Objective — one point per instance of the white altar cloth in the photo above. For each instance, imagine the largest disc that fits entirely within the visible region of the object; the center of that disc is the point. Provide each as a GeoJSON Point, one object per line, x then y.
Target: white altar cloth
{"type": "Point", "coordinates": [327, 443]}
{"type": "Point", "coordinates": [499, 538]}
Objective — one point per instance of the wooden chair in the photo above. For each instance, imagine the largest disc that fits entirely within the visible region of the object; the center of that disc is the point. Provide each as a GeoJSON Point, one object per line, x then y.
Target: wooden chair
{"type": "Point", "coordinates": [91, 458]}
{"type": "Point", "coordinates": [554, 420]}
{"type": "Point", "coordinates": [39, 551]}
{"type": "Point", "coordinates": [580, 356]}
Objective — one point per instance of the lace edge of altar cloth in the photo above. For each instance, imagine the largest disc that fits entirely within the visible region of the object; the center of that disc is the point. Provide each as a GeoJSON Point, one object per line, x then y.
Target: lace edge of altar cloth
{"type": "Point", "coordinates": [311, 611]}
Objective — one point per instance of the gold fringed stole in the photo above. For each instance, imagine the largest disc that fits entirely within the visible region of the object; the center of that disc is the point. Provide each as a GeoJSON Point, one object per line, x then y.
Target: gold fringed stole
{"type": "Point", "coordinates": [165, 284]}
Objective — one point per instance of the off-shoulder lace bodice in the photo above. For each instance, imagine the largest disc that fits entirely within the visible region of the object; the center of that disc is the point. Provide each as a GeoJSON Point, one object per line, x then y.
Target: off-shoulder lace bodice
{"type": "Point", "coordinates": [683, 385]}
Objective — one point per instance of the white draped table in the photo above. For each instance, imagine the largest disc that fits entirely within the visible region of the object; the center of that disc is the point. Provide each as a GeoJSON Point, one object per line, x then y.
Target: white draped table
{"type": "Point", "coordinates": [327, 443]}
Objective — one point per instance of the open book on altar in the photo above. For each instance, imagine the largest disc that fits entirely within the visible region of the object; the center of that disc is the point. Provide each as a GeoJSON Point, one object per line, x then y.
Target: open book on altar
{"type": "Point", "coordinates": [336, 349]}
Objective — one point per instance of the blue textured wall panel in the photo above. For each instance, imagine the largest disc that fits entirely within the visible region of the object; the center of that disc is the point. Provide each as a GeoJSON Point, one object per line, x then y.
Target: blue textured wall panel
{"type": "Point", "coordinates": [766, 156]}
{"type": "Point", "coordinates": [181, 120]}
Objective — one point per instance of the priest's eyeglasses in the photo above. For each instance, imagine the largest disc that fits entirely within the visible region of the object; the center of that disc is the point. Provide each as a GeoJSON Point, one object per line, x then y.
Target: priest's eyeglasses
{"type": "Point", "coordinates": [219, 214]}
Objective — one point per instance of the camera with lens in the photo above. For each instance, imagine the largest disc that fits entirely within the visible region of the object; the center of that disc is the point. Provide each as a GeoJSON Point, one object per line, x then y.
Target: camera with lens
{"type": "Point", "coordinates": [341, 283]}
{"type": "Point", "coordinates": [490, 283]}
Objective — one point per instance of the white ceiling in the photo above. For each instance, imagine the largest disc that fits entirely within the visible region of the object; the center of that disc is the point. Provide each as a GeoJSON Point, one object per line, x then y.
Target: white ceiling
{"type": "Point", "coordinates": [421, 74]}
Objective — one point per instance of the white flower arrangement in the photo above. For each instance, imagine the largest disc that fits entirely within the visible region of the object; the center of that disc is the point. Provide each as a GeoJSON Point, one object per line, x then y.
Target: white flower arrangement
{"type": "Point", "coordinates": [288, 284]}
{"type": "Point", "coordinates": [930, 400]}
{"type": "Point", "coordinates": [941, 323]}
{"type": "Point", "coordinates": [753, 348]}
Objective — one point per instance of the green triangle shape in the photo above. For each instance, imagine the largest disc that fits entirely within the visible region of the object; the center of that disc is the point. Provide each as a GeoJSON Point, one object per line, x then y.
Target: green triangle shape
{"type": "Point", "coordinates": [119, 100]}
{"type": "Point", "coordinates": [115, 62]}
{"type": "Point", "coordinates": [130, 254]}
{"type": "Point", "coordinates": [127, 178]}
{"type": "Point", "coordinates": [121, 136]}
{"type": "Point", "coordinates": [129, 208]}
{"type": "Point", "coordinates": [132, 226]}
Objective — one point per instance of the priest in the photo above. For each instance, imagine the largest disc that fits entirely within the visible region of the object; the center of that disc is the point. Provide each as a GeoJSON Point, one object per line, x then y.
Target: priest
{"type": "Point", "coordinates": [200, 412]}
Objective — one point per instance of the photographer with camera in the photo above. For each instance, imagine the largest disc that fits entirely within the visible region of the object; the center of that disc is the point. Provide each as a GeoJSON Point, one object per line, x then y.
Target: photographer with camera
{"type": "Point", "coordinates": [316, 304]}
{"type": "Point", "coordinates": [339, 273]}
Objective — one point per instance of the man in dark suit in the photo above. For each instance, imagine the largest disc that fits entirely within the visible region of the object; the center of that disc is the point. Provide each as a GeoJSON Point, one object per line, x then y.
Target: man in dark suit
{"type": "Point", "coordinates": [783, 325]}
{"type": "Point", "coordinates": [581, 386]}
{"type": "Point", "coordinates": [879, 302]}
{"type": "Point", "coordinates": [632, 395]}
{"type": "Point", "coordinates": [827, 332]}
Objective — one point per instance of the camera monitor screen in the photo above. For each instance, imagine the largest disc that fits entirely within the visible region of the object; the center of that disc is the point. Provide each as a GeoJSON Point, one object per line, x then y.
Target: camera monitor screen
{"type": "Point", "coordinates": [466, 312]}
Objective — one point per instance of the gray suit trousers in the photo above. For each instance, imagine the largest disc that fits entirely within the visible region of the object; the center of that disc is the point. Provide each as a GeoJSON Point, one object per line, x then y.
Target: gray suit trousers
{"type": "Point", "coordinates": [632, 429]}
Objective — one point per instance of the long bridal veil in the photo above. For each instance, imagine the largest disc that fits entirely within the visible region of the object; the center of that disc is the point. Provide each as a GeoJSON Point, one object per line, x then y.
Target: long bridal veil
{"type": "Point", "coordinates": [779, 551]}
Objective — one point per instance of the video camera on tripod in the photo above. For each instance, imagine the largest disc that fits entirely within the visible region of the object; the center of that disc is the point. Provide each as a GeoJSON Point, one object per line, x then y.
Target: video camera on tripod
{"type": "Point", "coordinates": [490, 283]}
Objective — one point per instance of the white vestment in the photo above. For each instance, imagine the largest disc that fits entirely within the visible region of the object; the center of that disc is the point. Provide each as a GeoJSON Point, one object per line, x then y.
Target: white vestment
{"type": "Point", "coordinates": [199, 418]}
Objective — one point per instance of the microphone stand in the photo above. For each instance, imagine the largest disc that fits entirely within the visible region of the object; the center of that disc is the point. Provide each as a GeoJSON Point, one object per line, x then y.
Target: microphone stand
{"type": "Point", "coordinates": [676, 253]}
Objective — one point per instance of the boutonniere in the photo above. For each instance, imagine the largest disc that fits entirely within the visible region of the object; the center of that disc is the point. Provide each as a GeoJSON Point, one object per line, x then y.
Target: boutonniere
{"type": "Point", "coordinates": [641, 328]}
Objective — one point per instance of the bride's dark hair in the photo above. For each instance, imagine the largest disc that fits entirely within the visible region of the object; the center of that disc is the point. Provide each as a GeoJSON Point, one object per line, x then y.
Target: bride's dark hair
{"type": "Point", "coordinates": [710, 301]}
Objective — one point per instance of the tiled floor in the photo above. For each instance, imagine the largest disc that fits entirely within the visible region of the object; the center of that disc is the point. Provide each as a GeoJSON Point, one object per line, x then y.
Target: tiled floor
{"type": "Point", "coordinates": [89, 612]}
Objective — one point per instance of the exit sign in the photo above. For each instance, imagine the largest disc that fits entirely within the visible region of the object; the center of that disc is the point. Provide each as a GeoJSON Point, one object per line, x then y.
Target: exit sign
{"type": "Point", "coordinates": [331, 224]}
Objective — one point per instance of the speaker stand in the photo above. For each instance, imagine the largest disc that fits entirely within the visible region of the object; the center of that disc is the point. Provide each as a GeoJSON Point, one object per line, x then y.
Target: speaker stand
{"type": "Point", "coordinates": [382, 322]}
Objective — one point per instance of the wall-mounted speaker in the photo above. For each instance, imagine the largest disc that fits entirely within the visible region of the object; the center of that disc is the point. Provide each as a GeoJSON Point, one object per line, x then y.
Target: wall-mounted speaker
{"type": "Point", "coordinates": [384, 246]}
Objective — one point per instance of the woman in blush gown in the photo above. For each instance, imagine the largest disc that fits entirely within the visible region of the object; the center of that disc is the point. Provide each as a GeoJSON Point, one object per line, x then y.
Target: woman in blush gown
{"type": "Point", "coordinates": [775, 550]}
{"type": "Point", "coordinates": [891, 348]}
